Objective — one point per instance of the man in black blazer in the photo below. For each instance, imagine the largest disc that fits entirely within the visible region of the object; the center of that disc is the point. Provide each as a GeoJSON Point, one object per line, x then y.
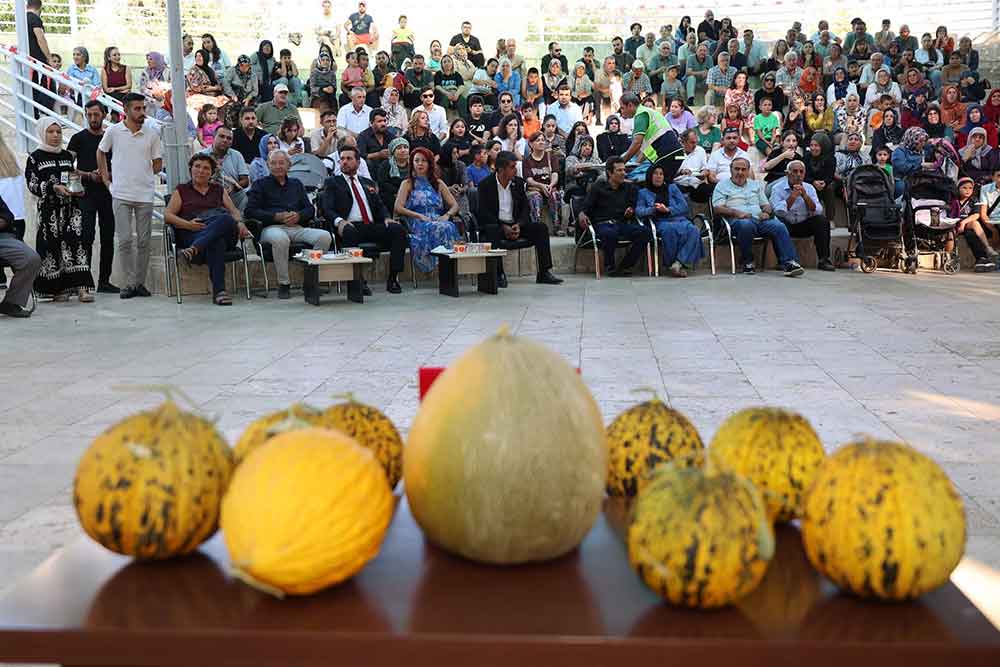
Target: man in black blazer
{"type": "Point", "coordinates": [352, 204]}
{"type": "Point", "coordinates": [503, 216]}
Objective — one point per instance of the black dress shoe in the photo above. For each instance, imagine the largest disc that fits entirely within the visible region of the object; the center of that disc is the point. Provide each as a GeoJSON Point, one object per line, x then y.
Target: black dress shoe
{"type": "Point", "coordinates": [13, 310]}
{"type": "Point", "coordinates": [140, 290]}
{"type": "Point", "coordinates": [284, 291]}
{"type": "Point", "coordinates": [501, 280]}
{"type": "Point", "coordinates": [365, 289]}
{"type": "Point", "coordinates": [127, 293]}
{"type": "Point", "coordinates": [107, 288]}
{"type": "Point", "coordinates": [621, 272]}
{"type": "Point", "coordinates": [392, 286]}
{"type": "Point", "coordinates": [548, 278]}
{"type": "Point", "coordinates": [826, 265]}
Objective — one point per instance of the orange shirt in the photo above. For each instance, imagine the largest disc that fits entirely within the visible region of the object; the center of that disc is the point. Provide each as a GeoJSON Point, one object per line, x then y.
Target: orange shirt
{"type": "Point", "coordinates": [530, 127]}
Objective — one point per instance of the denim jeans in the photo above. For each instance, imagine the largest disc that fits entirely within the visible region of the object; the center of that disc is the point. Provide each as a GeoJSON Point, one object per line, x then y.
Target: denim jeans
{"type": "Point", "coordinates": [745, 229]}
{"type": "Point", "coordinates": [218, 236]}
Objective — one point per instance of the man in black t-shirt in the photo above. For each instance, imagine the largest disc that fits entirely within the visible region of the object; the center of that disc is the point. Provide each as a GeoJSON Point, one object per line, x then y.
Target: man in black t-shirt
{"type": "Point", "coordinates": [475, 125]}
{"type": "Point", "coordinates": [38, 48]}
{"type": "Point", "coordinates": [246, 138]}
{"type": "Point", "coordinates": [96, 203]}
{"type": "Point", "coordinates": [505, 106]}
{"type": "Point", "coordinates": [471, 43]}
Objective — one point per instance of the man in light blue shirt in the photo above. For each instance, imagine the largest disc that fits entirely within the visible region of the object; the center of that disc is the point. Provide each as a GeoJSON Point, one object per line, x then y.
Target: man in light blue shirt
{"type": "Point", "coordinates": [565, 110]}
{"type": "Point", "coordinates": [797, 205]}
{"type": "Point", "coordinates": [755, 52]}
{"type": "Point", "coordinates": [743, 204]}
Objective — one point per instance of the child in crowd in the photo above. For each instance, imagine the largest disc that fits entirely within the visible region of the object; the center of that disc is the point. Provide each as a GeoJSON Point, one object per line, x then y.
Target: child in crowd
{"type": "Point", "coordinates": [882, 159]}
{"type": "Point", "coordinates": [532, 92]}
{"type": "Point", "coordinates": [480, 168]}
{"type": "Point", "coordinates": [672, 87]}
{"type": "Point", "coordinates": [734, 118]}
{"type": "Point", "coordinates": [208, 123]}
{"type": "Point", "coordinates": [766, 127]}
{"type": "Point", "coordinates": [353, 77]}
{"type": "Point", "coordinates": [529, 119]}
{"type": "Point", "coordinates": [476, 126]}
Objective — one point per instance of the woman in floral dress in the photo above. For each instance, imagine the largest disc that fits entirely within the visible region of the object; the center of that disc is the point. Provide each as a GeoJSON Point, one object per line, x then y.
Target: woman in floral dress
{"type": "Point", "coordinates": [426, 205]}
{"type": "Point", "coordinates": [59, 241]}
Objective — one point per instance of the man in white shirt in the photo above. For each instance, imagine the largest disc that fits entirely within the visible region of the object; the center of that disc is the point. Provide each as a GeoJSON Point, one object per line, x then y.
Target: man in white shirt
{"type": "Point", "coordinates": [565, 110]}
{"type": "Point", "coordinates": [436, 115]}
{"type": "Point", "coordinates": [692, 177]}
{"type": "Point", "coordinates": [722, 157]}
{"type": "Point", "coordinates": [137, 159]}
{"type": "Point", "coordinates": [353, 117]}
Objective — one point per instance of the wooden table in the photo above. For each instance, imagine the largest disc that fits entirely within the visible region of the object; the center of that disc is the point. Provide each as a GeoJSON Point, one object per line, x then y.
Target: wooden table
{"type": "Point", "coordinates": [348, 269]}
{"type": "Point", "coordinates": [485, 265]}
{"type": "Point", "coordinates": [416, 606]}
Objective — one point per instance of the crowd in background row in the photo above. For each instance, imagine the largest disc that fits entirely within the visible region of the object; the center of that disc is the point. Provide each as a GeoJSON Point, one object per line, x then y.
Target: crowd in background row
{"type": "Point", "coordinates": [827, 102]}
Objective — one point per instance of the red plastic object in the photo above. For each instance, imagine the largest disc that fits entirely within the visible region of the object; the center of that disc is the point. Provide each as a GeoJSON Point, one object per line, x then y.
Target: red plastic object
{"type": "Point", "coordinates": [426, 375]}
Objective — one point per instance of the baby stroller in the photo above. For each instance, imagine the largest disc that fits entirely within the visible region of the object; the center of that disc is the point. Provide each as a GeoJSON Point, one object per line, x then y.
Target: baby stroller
{"type": "Point", "coordinates": [930, 193]}
{"type": "Point", "coordinates": [879, 232]}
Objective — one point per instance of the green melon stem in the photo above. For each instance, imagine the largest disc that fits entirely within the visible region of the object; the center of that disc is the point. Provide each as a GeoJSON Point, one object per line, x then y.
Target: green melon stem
{"type": "Point", "coordinates": [503, 331]}
{"type": "Point", "coordinates": [347, 396]}
{"type": "Point", "coordinates": [650, 391]}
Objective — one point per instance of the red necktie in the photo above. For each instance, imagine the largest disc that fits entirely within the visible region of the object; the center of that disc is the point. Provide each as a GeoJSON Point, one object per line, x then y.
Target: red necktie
{"type": "Point", "coordinates": [361, 201]}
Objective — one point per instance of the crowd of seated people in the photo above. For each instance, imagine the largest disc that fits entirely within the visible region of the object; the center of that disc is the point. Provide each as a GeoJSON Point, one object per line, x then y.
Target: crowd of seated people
{"type": "Point", "coordinates": [421, 132]}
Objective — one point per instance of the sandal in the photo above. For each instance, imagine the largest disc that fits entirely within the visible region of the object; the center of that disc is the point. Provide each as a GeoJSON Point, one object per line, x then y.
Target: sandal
{"type": "Point", "coordinates": [188, 254]}
{"type": "Point", "coordinates": [61, 297]}
{"type": "Point", "coordinates": [85, 296]}
{"type": "Point", "coordinates": [222, 299]}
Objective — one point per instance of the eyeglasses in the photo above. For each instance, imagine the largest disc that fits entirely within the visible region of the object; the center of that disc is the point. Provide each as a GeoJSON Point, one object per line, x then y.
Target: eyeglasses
{"type": "Point", "coordinates": [557, 51]}
{"type": "Point", "coordinates": [427, 96]}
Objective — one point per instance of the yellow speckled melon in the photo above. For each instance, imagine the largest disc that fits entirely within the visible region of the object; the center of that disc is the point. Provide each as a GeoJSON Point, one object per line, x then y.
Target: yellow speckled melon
{"type": "Point", "coordinates": [645, 436]}
{"type": "Point", "coordinates": [305, 512]}
{"type": "Point", "coordinates": [506, 459]}
{"type": "Point", "coordinates": [775, 449]}
{"type": "Point", "coordinates": [883, 520]}
{"type": "Point", "coordinates": [700, 539]}
{"type": "Point", "coordinates": [151, 485]}
{"type": "Point", "coordinates": [296, 416]}
{"type": "Point", "coordinates": [372, 429]}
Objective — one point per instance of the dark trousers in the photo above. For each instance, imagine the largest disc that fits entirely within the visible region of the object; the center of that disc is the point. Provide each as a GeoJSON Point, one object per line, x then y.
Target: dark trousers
{"type": "Point", "coordinates": [535, 232]}
{"type": "Point", "coordinates": [212, 242]}
{"type": "Point", "coordinates": [700, 194]}
{"type": "Point", "coordinates": [610, 233]}
{"type": "Point", "coordinates": [38, 96]}
{"type": "Point", "coordinates": [976, 244]}
{"type": "Point", "coordinates": [598, 101]}
{"type": "Point", "coordinates": [818, 227]}
{"type": "Point", "coordinates": [97, 208]}
{"type": "Point", "coordinates": [391, 237]}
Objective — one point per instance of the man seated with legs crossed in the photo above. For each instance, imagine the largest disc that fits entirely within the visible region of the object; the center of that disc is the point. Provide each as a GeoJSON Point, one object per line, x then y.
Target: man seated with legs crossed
{"type": "Point", "coordinates": [353, 205]}
{"type": "Point", "coordinates": [610, 209]}
{"type": "Point", "coordinates": [742, 202]}
{"type": "Point", "coordinates": [24, 261]}
{"type": "Point", "coordinates": [504, 216]}
{"type": "Point", "coordinates": [797, 205]}
{"type": "Point", "coordinates": [280, 204]}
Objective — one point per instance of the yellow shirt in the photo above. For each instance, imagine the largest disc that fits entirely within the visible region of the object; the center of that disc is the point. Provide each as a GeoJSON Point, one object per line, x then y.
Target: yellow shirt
{"type": "Point", "coordinates": [402, 36]}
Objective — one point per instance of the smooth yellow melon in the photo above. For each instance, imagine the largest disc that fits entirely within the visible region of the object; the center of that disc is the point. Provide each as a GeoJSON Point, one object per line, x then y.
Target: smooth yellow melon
{"type": "Point", "coordinates": [307, 510]}
{"type": "Point", "coordinates": [884, 521]}
{"type": "Point", "coordinates": [506, 459]}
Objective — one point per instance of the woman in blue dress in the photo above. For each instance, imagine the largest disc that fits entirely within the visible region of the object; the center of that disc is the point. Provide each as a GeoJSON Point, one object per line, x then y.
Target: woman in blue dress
{"type": "Point", "coordinates": [426, 205]}
{"type": "Point", "coordinates": [664, 203]}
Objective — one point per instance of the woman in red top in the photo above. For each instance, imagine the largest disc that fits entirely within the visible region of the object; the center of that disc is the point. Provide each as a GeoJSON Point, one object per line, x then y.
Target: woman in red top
{"type": "Point", "coordinates": [116, 80]}
{"type": "Point", "coordinates": [206, 223]}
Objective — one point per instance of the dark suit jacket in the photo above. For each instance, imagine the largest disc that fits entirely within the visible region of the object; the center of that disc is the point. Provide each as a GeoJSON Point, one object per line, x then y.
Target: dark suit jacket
{"type": "Point", "coordinates": [337, 199]}
{"type": "Point", "coordinates": [489, 201]}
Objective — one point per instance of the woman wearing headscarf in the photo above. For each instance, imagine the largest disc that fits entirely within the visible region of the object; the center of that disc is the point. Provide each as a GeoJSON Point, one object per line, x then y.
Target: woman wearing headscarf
{"type": "Point", "coordinates": [979, 158]}
{"type": "Point", "coordinates": [952, 108]}
{"type": "Point", "coordinates": [992, 107]}
{"type": "Point", "coordinates": [391, 173]}
{"type": "Point", "coordinates": [917, 94]}
{"type": "Point", "coordinates": [934, 126]}
{"type": "Point", "coordinates": [201, 78]}
{"type": "Point", "coordinates": [819, 117]}
{"type": "Point", "coordinates": [154, 81]}
{"type": "Point", "coordinates": [976, 117]}
{"type": "Point", "coordinates": [323, 81]}
{"type": "Point", "coordinates": [837, 92]}
{"type": "Point", "coordinates": [850, 157]}
{"type": "Point", "coordinates": [882, 85]}
{"type": "Point", "coordinates": [395, 112]}
{"type": "Point", "coordinates": [908, 158]}
{"type": "Point", "coordinates": [258, 168]}
{"type": "Point", "coordinates": [809, 82]}
{"type": "Point", "coordinates": [821, 167]}
{"type": "Point", "coordinates": [612, 141]}
{"type": "Point", "coordinates": [59, 240]}
{"type": "Point", "coordinates": [240, 84]}
{"type": "Point", "coordinates": [890, 134]}
{"type": "Point", "coordinates": [664, 203]}
{"type": "Point", "coordinates": [263, 64]}
{"type": "Point", "coordinates": [583, 167]}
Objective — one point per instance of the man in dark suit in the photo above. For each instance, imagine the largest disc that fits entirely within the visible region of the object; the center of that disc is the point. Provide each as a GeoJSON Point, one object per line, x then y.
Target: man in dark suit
{"type": "Point", "coordinates": [352, 204]}
{"type": "Point", "coordinates": [503, 216]}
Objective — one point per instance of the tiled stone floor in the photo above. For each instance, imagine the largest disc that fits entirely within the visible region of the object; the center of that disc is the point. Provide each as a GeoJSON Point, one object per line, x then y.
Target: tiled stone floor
{"type": "Point", "coordinates": [905, 357]}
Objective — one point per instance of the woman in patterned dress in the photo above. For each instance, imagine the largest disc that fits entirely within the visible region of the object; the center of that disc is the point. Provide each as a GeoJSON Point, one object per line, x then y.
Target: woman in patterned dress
{"type": "Point", "coordinates": [59, 241]}
{"type": "Point", "coordinates": [426, 205]}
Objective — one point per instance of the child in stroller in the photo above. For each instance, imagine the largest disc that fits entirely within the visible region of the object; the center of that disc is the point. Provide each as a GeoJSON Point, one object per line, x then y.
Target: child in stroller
{"type": "Point", "coordinates": [880, 234]}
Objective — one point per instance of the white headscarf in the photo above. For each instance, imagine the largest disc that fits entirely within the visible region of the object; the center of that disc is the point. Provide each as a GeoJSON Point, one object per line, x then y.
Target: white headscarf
{"type": "Point", "coordinates": [41, 127]}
